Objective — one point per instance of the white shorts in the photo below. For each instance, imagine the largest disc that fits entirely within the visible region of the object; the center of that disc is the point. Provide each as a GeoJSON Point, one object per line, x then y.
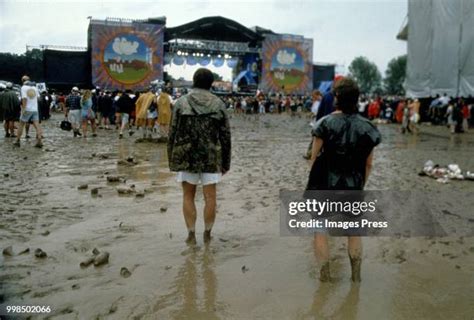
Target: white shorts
{"type": "Point", "coordinates": [198, 178]}
{"type": "Point", "coordinates": [151, 115]}
{"type": "Point", "coordinates": [74, 117]}
{"type": "Point", "coordinates": [125, 118]}
{"type": "Point", "coordinates": [415, 118]}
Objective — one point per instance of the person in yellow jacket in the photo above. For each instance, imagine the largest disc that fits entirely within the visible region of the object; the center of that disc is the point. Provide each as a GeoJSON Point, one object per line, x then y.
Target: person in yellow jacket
{"type": "Point", "coordinates": [164, 112]}
{"type": "Point", "coordinates": [146, 113]}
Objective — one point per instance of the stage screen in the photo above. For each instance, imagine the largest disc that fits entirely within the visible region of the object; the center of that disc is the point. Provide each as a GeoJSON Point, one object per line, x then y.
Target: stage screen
{"type": "Point", "coordinates": [323, 73]}
{"type": "Point", "coordinates": [126, 55]}
{"type": "Point", "coordinates": [66, 68]}
{"type": "Point", "coordinates": [287, 64]}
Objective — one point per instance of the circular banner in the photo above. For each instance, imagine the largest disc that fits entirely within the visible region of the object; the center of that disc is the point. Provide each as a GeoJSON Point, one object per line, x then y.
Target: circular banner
{"type": "Point", "coordinates": [232, 63]}
{"type": "Point", "coordinates": [204, 61]}
{"type": "Point", "coordinates": [217, 62]}
{"type": "Point", "coordinates": [178, 60]}
{"type": "Point", "coordinates": [190, 60]}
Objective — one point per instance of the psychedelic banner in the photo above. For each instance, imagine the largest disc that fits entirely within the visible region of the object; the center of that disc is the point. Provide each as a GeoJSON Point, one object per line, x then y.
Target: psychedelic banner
{"type": "Point", "coordinates": [287, 64]}
{"type": "Point", "coordinates": [126, 55]}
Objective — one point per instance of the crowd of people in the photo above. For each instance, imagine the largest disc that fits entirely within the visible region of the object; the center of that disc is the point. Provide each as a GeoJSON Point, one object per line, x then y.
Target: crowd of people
{"type": "Point", "coordinates": [148, 111]}
{"type": "Point", "coordinates": [408, 112]}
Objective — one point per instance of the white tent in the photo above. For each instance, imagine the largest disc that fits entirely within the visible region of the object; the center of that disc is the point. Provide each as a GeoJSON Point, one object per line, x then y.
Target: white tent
{"type": "Point", "coordinates": [440, 48]}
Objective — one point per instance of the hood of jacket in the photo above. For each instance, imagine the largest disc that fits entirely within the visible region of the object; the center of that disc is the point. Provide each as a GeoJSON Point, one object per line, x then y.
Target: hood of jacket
{"type": "Point", "coordinates": [203, 102]}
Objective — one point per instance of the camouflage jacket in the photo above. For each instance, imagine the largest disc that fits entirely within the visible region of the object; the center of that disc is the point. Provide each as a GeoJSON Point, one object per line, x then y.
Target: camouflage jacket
{"type": "Point", "coordinates": [199, 139]}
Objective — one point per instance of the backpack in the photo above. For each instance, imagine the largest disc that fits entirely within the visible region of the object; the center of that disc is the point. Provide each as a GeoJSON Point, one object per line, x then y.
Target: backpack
{"type": "Point", "coordinates": [65, 125]}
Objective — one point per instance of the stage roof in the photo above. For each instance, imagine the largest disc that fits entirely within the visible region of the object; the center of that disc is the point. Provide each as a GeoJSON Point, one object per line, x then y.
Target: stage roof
{"type": "Point", "coordinates": [214, 28]}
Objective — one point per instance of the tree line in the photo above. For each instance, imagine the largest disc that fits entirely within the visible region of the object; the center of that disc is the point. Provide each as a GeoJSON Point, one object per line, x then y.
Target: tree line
{"type": "Point", "coordinates": [366, 73]}
{"type": "Point", "coordinates": [14, 66]}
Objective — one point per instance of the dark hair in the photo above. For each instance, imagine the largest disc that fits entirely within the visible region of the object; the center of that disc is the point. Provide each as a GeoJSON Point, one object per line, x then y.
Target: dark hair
{"type": "Point", "coordinates": [346, 92]}
{"type": "Point", "coordinates": [203, 79]}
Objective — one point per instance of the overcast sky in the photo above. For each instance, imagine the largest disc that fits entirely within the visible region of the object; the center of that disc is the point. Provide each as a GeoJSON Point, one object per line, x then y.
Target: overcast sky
{"type": "Point", "coordinates": [341, 29]}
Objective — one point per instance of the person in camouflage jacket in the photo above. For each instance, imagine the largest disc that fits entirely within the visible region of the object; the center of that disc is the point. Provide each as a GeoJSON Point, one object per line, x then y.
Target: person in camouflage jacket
{"type": "Point", "coordinates": [199, 139]}
{"type": "Point", "coordinates": [199, 149]}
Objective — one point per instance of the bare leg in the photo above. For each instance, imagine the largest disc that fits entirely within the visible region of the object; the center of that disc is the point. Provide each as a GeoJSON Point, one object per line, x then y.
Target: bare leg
{"type": "Point", "coordinates": [354, 248]}
{"type": "Point", "coordinates": [94, 126]}
{"type": "Point", "coordinates": [12, 128]}
{"type": "Point", "coordinates": [124, 123]}
{"type": "Point", "coordinates": [149, 128]}
{"type": "Point", "coordinates": [321, 250]}
{"type": "Point", "coordinates": [19, 133]}
{"type": "Point", "coordinates": [166, 129]}
{"type": "Point", "coordinates": [39, 134]}
{"type": "Point", "coordinates": [99, 119]}
{"type": "Point", "coordinates": [84, 128]}
{"type": "Point", "coordinates": [209, 192]}
{"type": "Point", "coordinates": [189, 211]}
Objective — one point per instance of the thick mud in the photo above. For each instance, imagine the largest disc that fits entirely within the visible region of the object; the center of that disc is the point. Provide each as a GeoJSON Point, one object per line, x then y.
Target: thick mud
{"type": "Point", "coordinates": [60, 199]}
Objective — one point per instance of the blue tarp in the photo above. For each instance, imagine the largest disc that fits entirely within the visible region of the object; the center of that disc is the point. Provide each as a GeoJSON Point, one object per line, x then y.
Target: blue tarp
{"type": "Point", "coordinates": [244, 74]}
{"type": "Point", "coordinates": [325, 87]}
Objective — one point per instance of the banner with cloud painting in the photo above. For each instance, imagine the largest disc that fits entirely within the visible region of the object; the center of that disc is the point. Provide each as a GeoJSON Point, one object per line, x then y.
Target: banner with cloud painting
{"type": "Point", "coordinates": [287, 64]}
{"type": "Point", "coordinates": [126, 56]}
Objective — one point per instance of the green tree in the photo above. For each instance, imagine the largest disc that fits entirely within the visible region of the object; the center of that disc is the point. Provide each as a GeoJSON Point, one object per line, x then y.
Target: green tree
{"type": "Point", "coordinates": [14, 66]}
{"type": "Point", "coordinates": [366, 74]}
{"type": "Point", "coordinates": [395, 75]}
{"type": "Point", "coordinates": [217, 77]}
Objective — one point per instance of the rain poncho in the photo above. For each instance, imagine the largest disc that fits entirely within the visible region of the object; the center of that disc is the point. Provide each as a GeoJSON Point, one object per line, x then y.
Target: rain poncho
{"type": "Point", "coordinates": [348, 139]}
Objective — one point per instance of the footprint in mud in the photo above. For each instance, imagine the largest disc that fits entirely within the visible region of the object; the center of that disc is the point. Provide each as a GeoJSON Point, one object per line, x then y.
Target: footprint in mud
{"type": "Point", "coordinates": [127, 229]}
{"type": "Point", "coordinates": [42, 294]}
{"type": "Point", "coordinates": [248, 206]}
{"type": "Point", "coordinates": [264, 204]}
{"type": "Point", "coordinates": [400, 256]}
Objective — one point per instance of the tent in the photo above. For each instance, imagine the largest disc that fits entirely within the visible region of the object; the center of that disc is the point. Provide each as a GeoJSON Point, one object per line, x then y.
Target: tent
{"type": "Point", "coordinates": [440, 48]}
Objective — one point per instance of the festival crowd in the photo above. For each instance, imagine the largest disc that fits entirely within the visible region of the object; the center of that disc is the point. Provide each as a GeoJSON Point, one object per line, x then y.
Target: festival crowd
{"type": "Point", "coordinates": [150, 111]}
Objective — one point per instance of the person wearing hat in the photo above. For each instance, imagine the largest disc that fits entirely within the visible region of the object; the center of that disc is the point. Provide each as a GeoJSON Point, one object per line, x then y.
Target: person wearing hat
{"type": "Point", "coordinates": [10, 112]}
{"type": "Point", "coordinates": [73, 110]}
{"type": "Point", "coordinates": [29, 110]}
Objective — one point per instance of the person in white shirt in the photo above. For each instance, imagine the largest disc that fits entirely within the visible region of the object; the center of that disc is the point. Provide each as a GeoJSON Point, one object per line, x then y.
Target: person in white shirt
{"type": "Point", "coordinates": [316, 102]}
{"type": "Point", "coordinates": [444, 100]}
{"type": "Point", "coordinates": [29, 110]}
{"type": "Point", "coordinates": [316, 97]}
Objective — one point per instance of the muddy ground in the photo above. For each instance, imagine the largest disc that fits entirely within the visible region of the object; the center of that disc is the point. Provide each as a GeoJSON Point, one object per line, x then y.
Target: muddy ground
{"type": "Point", "coordinates": [249, 271]}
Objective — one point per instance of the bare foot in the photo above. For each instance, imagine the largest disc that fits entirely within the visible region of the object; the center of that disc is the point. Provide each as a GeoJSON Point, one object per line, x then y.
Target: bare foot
{"type": "Point", "coordinates": [207, 236]}
{"type": "Point", "coordinates": [191, 240]}
{"type": "Point", "coordinates": [355, 266]}
{"type": "Point", "coordinates": [324, 274]}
